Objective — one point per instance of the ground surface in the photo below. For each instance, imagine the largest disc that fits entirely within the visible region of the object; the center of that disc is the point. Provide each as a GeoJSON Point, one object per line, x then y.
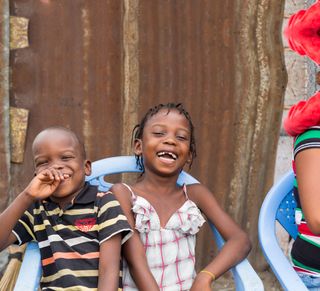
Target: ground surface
{"type": "Point", "coordinates": [269, 281]}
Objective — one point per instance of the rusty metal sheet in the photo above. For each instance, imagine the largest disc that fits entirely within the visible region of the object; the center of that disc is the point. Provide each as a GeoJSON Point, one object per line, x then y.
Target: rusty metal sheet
{"type": "Point", "coordinates": [97, 66]}
{"type": "Point", "coordinates": [70, 75]}
{"type": "Point", "coordinates": [188, 58]}
{"type": "Point", "coordinates": [4, 104]}
{"type": "Point", "coordinates": [225, 63]}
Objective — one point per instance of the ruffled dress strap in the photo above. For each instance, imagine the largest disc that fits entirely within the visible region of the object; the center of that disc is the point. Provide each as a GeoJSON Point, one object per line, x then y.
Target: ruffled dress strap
{"type": "Point", "coordinates": [133, 196]}
{"type": "Point", "coordinates": [184, 188]}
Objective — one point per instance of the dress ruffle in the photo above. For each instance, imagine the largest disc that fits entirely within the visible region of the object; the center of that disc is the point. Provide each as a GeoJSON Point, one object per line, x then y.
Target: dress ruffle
{"type": "Point", "coordinates": [142, 215]}
{"type": "Point", "coordinates": [191, 219]}
{"type": "Point", "coordinates": [187, 219]}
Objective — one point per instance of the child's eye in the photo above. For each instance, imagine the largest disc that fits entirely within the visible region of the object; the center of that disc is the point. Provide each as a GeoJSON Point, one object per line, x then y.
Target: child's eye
{"type": "Point", "coordinates": [180, 137]}
{"type": "Point", "coordinates": [41, 163]}
{"type": "Point", "coordinates": [158, 133]}
{"type": "Point", "coordinates": [66, 158]}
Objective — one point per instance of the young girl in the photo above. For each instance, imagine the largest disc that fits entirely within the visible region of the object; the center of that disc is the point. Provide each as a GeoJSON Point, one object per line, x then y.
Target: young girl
{"type": "Point", "coordinates": [166, 217]}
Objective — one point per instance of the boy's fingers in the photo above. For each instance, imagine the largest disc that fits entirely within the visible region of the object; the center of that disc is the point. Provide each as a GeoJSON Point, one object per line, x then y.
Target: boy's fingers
{"type": "Point", "coordinates": [57, 174]}
{"type": "Point", "coordinates": [52, 174]}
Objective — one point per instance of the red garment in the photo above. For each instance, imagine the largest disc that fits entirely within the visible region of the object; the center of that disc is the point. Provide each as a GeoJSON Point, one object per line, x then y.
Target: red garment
{"type": "Point", "coordinates": [303, 115]}
{"type": "Point", "coordinates": [303, 32]}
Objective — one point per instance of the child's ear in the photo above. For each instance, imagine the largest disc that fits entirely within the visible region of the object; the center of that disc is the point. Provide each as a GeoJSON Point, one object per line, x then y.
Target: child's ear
{"type": "Point", "coordinates": [87, 167]}
{"type": "Point", "coordinates": [189, 160]}
{"type": "Point", "coordinates": [137, 148]}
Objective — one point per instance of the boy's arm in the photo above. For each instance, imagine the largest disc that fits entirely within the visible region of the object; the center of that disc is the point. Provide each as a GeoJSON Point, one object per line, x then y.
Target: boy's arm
{"type": "Point", "coordinates": [109, 264]}
{"type": "Point", "coordinates": [9, 218]}
{"type": "Point", "coordinates": [133, 249]}
{"type": "Point", "coordinates": [40, 187]}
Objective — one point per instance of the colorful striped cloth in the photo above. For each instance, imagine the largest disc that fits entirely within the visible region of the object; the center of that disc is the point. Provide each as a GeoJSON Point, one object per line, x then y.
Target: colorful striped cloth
{"type": "Point", "coordinates": [305, 253]}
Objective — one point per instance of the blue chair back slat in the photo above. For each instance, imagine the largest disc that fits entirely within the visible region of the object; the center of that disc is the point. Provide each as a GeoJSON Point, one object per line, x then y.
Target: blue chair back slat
{"type": "Point", "coordinates": [30, 270]}
{"type": "Point", "coordinates": [286, 214]}
{"type": "Point", "coordinates": [119, 165]}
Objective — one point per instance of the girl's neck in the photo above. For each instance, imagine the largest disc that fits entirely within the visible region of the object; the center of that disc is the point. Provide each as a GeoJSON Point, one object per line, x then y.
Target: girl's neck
{"type": "Point", "coordinates": [151, 183]}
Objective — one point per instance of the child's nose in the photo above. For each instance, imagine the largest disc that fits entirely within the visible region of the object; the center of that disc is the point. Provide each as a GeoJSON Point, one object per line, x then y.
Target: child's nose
{"type": "Point", "coordinates": [170, 140]}
{"type": "Point", "coordinates": [57, 166]}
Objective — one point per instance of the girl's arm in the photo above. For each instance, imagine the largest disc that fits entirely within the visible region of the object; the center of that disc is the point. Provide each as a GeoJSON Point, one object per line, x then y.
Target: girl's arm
{"type": "Point", "coordinates": [133, 249]}
{"type": "Point", "coordinates": [237, 244]}
{"type": "Point", "coordinates": [109, 264]}
{"type": "Point", "coordinates": [308, 177]}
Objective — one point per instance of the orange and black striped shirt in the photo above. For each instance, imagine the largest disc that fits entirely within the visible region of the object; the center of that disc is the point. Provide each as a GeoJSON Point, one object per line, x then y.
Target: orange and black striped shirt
{"type": "Point", "coordinates": [69, 238]}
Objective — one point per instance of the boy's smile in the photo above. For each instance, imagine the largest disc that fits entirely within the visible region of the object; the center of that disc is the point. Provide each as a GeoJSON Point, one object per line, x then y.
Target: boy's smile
{"type": "Point", "coordinates": [58, 150]}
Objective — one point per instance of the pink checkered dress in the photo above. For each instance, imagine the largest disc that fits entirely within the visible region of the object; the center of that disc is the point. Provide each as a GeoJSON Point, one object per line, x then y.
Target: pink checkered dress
{"type": "Point", "coordinates": [170, 250]}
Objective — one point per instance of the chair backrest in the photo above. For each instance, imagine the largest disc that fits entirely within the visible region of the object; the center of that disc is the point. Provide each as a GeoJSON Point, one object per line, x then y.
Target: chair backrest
{"type": "Point", "coordinates": [245, 278]}
{"type": "Point", "coordinates": [122, 164]}
{"type": "Point", "coordinates": [286, 214]}
{"type": "Point", "coordinates": [279, 205]}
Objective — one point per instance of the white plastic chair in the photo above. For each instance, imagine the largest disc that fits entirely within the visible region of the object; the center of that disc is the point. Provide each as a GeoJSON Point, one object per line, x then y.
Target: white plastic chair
{"type": "Point", "coordinates": [245, 278]}
{"type": "Point", "coordinates": [279, 205]}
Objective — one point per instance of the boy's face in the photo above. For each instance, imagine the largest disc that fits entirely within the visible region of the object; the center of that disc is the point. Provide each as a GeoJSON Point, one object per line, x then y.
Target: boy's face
{"type": "Point", "coordinates": [60, 150]}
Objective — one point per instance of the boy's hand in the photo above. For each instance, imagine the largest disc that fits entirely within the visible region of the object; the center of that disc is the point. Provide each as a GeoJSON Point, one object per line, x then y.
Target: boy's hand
{"type": "Point", "coordinates": [45, 183]}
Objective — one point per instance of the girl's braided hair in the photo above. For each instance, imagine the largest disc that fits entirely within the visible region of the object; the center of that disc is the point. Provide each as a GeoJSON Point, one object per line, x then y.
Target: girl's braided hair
{"type": "Point", "coordinates": [137, 132]}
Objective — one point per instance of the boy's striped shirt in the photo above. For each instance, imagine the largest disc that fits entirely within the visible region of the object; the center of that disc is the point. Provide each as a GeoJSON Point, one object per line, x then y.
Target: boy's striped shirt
{"type": "Point", "coordinates": [69, 238]}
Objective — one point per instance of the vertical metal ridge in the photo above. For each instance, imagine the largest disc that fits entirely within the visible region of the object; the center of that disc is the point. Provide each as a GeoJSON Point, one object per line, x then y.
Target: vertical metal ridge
{"type": "Point", "coordinates": [130, 100]}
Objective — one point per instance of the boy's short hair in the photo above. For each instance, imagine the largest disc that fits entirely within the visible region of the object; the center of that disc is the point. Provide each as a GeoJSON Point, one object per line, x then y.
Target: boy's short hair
{"type": "Point", "coordinates": [67, 131]}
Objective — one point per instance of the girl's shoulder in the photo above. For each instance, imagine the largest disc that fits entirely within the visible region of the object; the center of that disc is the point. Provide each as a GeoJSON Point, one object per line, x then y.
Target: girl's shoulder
{"type": "Point", "coordinates": [196, 187]}
{"type": "Point", "coordinates": [197, 192]}
{"type": "Point", "coordinates": [121, 190]}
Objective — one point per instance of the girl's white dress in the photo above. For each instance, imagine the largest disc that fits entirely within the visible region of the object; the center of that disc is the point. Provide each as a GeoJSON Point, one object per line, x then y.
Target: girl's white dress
{"type": "Point", "coordinates": [170, 250]}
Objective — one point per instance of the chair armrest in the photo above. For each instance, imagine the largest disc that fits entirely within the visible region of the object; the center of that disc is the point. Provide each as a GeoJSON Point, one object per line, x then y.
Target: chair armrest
{"type": "Point", "coordinates": [245, 277]}
{"type": "Point", "coordinates": [284, 271]}
{"type": "Point", "coordinates": [30, 271]}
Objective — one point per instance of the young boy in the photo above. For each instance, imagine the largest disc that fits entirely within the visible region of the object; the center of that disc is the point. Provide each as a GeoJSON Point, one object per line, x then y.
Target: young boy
{"type": "Point", "coordinates": [79, 230]}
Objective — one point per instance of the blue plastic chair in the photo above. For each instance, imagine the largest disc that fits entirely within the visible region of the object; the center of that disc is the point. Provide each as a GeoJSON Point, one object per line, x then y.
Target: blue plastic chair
{"type": "Point", "coordinates": [279, 205]}
{"type": "Point", "coordinates": [244, 275]}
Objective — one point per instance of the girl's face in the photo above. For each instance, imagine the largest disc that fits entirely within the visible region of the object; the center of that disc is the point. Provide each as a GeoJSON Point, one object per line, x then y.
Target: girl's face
{"type": "Point", "coordinates": [165, 143]}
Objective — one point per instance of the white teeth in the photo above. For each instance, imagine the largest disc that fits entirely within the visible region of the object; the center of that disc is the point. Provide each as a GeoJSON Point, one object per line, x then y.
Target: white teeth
{"type": "Point", "coordinates": [174, 156]}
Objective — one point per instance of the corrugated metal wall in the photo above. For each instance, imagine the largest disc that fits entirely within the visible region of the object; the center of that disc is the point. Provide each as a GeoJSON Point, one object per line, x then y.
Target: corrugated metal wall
{"type": "Point", "coordinates": [96, 66]}
{"type": "Point", "coordinates": [4, 105]}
